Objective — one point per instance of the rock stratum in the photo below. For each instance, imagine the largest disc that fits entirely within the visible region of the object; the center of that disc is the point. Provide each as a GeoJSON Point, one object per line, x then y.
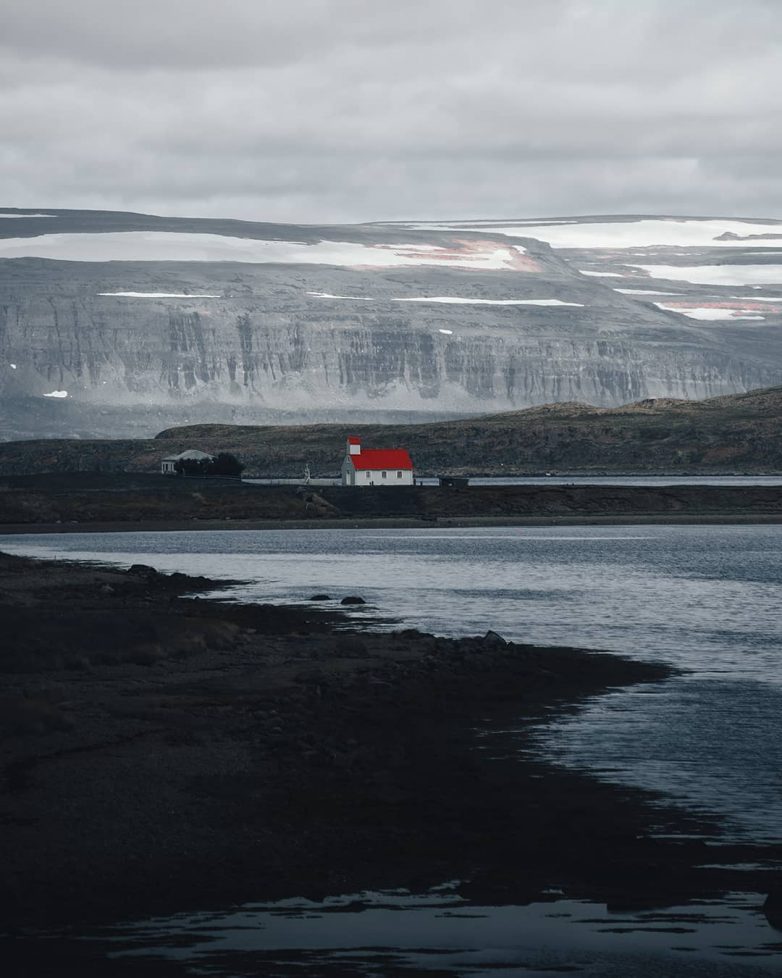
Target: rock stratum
{"type": "Point", "coordinates": [117, 324]}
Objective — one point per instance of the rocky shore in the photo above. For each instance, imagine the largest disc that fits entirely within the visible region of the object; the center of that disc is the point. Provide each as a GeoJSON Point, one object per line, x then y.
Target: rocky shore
{"type": "Point", "coordinates": [160, 753]}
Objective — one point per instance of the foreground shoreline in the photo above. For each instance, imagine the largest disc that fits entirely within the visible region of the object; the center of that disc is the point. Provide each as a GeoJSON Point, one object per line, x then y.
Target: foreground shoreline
{"type": "Point", "coordinates": [161, 754]}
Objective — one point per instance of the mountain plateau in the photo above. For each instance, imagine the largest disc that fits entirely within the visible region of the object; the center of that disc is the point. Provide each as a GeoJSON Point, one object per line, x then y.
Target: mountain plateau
{"type": "Point", "coordinates": [118, 325]}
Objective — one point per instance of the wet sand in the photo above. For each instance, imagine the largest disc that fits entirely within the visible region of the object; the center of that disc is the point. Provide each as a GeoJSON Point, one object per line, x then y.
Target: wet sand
{"type": "Point", "coordinates": [162, 754]}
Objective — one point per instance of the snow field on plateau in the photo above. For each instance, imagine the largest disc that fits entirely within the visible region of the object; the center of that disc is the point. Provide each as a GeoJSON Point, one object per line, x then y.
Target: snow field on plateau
{"type": "Point", "coordinates": [202, 247]}
{"type": "Point", "coordinates": [755, 275]}
{"type": "Point", "coordinates": [162, 295]}
{"type": "Point", "coordinates": [642, 233]}
{"type": "Point", "coordinates": [452, 300]}
{"type": "Point", "coordinates": [645, 292]}
{"type": "Point", "coordinates": [706, 313]}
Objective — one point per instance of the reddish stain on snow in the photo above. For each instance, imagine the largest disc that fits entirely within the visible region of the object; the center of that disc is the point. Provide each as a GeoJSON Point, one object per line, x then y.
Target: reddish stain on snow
{"type": "Point", "coordinates": [737, 307]}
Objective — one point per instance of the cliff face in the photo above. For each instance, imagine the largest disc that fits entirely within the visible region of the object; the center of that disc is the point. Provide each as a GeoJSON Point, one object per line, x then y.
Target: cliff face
{"type": "Point", "coordinates": [126, 346]}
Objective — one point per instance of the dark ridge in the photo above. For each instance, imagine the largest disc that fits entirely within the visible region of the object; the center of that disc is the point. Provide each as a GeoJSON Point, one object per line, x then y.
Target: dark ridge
{"type": "Point", "coordinates": [738, 433]}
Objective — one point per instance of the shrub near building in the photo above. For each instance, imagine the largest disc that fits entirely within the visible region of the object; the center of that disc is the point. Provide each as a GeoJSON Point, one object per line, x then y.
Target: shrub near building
{"type": "Point", "coordinates": [195, 463]}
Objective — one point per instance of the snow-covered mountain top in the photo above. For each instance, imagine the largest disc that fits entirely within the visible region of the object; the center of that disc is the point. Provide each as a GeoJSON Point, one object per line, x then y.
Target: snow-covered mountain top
{"type": "Point", "coordinates": [121, 322]}
{"type": "Point", "coordinates": [94, 236]}
{"type": "Point", "coordinates": [620, 232]}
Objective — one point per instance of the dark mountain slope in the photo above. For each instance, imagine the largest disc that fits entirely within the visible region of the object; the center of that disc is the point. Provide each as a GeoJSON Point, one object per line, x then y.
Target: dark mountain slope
{"type": "Point", "coordinates": [738, 433]}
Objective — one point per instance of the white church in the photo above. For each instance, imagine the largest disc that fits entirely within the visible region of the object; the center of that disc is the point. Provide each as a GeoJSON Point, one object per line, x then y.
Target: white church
{"type": "Point", "coordinates": [376, 466]}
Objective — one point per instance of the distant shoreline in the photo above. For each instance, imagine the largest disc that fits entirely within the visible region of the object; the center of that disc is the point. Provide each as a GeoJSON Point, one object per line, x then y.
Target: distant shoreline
{"type": "Point", "coordinates": [149, 526]}
{"type": "Point", "coordinates": [105, 503]}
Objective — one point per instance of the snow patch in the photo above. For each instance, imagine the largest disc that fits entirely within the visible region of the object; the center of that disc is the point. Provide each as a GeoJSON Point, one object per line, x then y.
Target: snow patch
{"type": "Point", "coordinates": [645, 292]}
{"type": "Point", "coordinates": [758, 298]}
{"type": "Point", "coordinates": [642, 233]}
{"type": "Point", "coordinates": [163, 295]}
{"type": "Point", "coordinates": [11, 216]}
{"type": "Point", "coordinates": [197, 247]}
{"type": "Point", "coordinates": [329, 295]}
{"type": "Point", "coordinates": [716, 274]}
{"type": "Point", "coordinates": [56, 394]}
{"type": "Point", "coordinates": [705, 312]}
{"type": "Point", "coordinates": [452, 300]}
{"type": "Point", "coordinates": [487, 225]}
{"type": "Point", "coordinates": [456, 300]}
{"type": "Point", "coordinates": [601, 274]}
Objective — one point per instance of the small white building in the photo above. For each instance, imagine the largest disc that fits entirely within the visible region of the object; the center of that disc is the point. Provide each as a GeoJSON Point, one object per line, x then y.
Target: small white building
{"type": "Point", "coordinates": [376, 466]}
{"type": "Point", "coordinates": [168, 464]}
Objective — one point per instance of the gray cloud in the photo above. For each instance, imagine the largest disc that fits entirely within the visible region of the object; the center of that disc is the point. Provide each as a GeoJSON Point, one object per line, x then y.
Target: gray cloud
{"type": "Point", "coordinates": [341, 110]}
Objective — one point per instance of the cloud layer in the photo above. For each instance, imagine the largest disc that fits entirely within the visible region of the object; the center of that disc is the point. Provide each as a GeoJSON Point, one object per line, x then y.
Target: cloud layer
{"type": "Point", "coordinates": [343, 110]}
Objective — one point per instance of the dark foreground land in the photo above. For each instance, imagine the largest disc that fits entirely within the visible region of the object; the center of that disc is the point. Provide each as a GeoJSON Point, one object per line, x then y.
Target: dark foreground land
{"type": "Point", "coordinates": [160, 754]}
{"type": "Point", "coordinates": [68, 501]}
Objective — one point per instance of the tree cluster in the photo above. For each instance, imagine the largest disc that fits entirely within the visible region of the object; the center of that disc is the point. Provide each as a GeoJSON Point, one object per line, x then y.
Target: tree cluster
{"type": "Point", "coordinates": [224, 464]}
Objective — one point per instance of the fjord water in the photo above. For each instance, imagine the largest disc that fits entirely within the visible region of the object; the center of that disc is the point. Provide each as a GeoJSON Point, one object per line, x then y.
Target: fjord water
{"type": "Point", "coordinates": [707, 599]}
{"type": "Point", "coordinates": [703, 598]}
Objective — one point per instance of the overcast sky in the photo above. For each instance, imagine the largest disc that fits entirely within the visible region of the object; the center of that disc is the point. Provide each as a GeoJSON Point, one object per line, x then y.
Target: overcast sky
{"type": "Point", "coordinates": [359, 110]}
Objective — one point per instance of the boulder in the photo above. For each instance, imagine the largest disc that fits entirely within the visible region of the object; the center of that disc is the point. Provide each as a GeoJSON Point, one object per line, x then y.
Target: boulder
{"type": "Point", "coordinates": [142, 570]}
{"type": "Point", "coordinates": [493, 638]}
{"type": "Point", "coordinates": [352, 599]}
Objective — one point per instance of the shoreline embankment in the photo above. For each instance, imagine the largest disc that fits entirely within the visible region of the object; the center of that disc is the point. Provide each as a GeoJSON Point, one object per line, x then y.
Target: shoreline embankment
{"type": "Point", "coordinates": [60, 503]}
{"type": "Point", "coordinates": [152, 526]}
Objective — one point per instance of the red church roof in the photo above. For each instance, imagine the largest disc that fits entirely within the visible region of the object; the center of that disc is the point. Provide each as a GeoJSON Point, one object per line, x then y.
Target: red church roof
{"type": "Point", "coordinates": [382, 458]}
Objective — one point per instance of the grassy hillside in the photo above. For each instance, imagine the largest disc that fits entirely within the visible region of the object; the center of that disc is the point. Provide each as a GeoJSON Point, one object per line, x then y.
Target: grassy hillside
{"type": "Point", "coordinates": [738, 433]}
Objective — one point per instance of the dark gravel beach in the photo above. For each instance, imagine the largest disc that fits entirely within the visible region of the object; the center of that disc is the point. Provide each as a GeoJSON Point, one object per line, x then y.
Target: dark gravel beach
{"type": "Point", "coordinates": [161, 754]}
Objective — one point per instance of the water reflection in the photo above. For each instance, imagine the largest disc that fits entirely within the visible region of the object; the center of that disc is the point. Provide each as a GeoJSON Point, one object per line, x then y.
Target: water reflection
{"type": "Point", "coordinates": [438, 933]}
